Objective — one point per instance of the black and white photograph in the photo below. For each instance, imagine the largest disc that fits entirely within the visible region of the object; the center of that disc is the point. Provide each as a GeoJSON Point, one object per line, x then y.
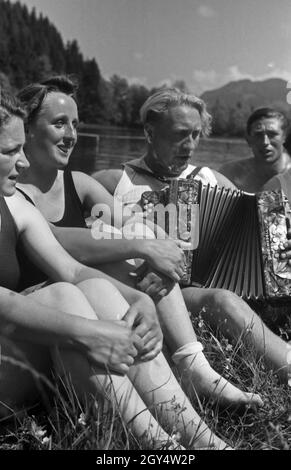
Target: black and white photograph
{"type": "Point", "coordinates": [145, 229]}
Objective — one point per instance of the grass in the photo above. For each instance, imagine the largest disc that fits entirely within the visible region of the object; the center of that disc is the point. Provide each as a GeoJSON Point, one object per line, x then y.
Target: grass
{"type": "Point", "coordinates": [67, 424]}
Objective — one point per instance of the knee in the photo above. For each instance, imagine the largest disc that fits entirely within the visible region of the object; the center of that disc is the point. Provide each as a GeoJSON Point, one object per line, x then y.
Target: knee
{"type": "Point", "coordinates": [233, 307]}
{"type": "Point", "coordinates": [64, 290]}
{"type": "Point", "coordinates": [225, 300]}
{"type": "Point", "coordinates": [102, 286]}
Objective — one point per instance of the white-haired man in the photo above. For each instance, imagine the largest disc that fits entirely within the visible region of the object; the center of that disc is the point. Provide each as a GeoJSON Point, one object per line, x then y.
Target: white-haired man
{"type": "Point", "coordinates": [173, 123]}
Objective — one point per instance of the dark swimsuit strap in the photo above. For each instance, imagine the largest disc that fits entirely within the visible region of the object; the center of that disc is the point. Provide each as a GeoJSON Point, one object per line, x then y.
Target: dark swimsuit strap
{"type": "Point", "coordinates": [25, 195]}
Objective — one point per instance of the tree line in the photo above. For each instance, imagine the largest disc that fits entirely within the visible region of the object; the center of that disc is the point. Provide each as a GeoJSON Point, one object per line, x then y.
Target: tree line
{"type": "Point", "coordinates": [31, 49]}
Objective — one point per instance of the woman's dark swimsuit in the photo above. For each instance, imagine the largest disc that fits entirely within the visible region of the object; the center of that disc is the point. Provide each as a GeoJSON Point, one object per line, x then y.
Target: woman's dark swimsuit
{"type": "Point", "coordinates": [73, 217]}
{"type": "Point", "coordinates": [9, 266]}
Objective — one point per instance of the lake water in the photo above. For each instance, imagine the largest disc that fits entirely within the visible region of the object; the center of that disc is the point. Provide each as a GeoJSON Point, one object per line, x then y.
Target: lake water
{"type": "Point", "coordinates": [101, 148]}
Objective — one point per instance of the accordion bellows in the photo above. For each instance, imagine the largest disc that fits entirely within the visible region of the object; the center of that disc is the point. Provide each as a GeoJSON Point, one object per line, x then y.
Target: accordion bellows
{"type": "Point", "coordinates": [240, 238]}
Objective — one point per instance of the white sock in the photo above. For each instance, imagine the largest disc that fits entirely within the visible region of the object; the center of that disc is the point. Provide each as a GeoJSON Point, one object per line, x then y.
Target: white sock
{"type": "Point", "coordinates": [194, 348]}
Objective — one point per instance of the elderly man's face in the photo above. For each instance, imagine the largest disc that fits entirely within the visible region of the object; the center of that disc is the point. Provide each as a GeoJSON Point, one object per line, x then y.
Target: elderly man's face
{"type": "Point", "coordinates": [174, 138]}
{"type": "Point", "coordinates": [266, 139]}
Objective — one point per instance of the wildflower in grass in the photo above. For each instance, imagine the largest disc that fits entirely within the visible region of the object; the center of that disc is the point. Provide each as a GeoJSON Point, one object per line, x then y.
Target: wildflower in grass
{"type": "Point", "coordinates": [37, 431]}
{"type": "Point", "coordinates": [82, 419]}
{"type": "Point", "coordinates": [47, 442]}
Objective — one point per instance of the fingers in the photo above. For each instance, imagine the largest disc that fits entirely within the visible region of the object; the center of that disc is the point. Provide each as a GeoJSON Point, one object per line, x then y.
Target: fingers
{"type": "Point", "coordinates": [156, 286]}
{"type": "Point", "coordinates": [152, 353]}
{"type": "Point", "coordinates": [130, 317]}
{"type": "Point", "coordinates": [138, 342]}
{"type": "Point", "coordinates": [154, 334]}
{"type": "Point", "coordinates": [141, 330]}
{"type": "Point", "coordinates": [285, 255]}
{"type": "Point", "coordinates": [153, 342]}
{"type": "Point", "coordinates": [145, 283]}
{"type": "Point", "coordinates": [184, 245]}
{"type": "Point", "coordinates": [162, 294]}
{"type": "Point", "coordinates": [153, 289]}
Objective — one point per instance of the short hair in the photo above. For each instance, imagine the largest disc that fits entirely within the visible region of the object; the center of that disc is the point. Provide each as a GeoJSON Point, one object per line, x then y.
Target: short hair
{"type": "Point", "coordinates": [9, 107]}
{"type": "Point", "coordinates": [33, 95]}
{"type": "Point", "coordinates": [262, 113]}
{"type": "Point", "coordinates": [162, 100]}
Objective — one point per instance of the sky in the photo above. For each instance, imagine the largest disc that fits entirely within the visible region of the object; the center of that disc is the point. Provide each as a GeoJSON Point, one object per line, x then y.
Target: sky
{"type": "Point", "coordinates": [206, 43]}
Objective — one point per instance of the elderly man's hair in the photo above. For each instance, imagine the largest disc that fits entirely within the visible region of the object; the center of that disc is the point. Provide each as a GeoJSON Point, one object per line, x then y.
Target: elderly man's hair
{"type": "Point", "coordinates": [162, 100]}
{"type": "Point", "coordinates": [265, 113]}
{"type": "Point", "coordinates": [9, 107]}
{"type": "Point", "coordinates": [33, 95]}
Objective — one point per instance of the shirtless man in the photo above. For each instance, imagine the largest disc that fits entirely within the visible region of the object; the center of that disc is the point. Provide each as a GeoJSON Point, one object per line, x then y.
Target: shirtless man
{"type": "Point", "coordinates": [265, 133]}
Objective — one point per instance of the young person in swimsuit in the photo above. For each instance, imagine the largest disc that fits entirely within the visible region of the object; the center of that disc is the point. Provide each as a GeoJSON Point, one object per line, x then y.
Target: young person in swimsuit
{"type": "Point", "coordinates": [62, 317]}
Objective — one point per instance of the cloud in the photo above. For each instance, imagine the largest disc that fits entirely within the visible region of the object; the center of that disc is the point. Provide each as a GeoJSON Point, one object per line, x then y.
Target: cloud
{"type": "Point", "coordinates": [167, 82]}
{"type": "Point", "coordinates": [136, 80]}
{"type": "Point", "coordinates": [205, 11]}
{"type": "Point", "coordinates": [204, 80]}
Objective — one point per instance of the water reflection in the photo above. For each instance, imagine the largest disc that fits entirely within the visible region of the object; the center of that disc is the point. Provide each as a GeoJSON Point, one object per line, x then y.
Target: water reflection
{"type": "Point", "coordinates": [111, 148]}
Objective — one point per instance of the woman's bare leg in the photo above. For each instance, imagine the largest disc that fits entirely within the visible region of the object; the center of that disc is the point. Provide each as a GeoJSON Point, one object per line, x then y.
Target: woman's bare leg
{"type": "Point", "coordinates": [154, 379]}
{"type": "Point", "coordinates": [93, 382]}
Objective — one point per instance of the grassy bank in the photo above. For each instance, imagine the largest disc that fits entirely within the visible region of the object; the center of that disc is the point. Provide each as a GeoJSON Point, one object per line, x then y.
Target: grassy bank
{"type": "Point", "coordinates": [66, 424]}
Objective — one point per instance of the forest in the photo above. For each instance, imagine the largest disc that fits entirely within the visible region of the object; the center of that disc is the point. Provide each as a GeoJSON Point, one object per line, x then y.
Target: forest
{"type": "Point", "coordinates": [31, 49]}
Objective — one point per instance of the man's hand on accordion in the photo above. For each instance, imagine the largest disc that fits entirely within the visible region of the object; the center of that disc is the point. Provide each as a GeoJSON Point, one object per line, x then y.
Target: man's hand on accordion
{"type": "Point", "coordinates": [167, 257]}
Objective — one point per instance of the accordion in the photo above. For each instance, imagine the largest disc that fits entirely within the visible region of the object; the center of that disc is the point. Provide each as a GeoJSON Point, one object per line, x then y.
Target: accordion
{"type": "Point", "coordinates": [240, 238]}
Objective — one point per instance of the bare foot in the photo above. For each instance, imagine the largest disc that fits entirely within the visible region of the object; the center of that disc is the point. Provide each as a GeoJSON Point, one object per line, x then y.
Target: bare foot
{"type": "Point", "coordinates": [200, 378]}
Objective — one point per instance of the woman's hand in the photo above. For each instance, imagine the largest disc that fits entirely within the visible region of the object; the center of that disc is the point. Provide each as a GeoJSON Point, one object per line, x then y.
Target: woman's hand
{"type": "Point", "coordinates": [112, 344]}
{"type": "Point", "coordinates": [142, 318]}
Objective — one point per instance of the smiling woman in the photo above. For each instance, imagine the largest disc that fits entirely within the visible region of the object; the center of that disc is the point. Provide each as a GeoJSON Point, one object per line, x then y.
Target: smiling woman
{"type": "Point", "coordinates": [51, 134]}
{"type": "Point", "coordinates": [54, 134]}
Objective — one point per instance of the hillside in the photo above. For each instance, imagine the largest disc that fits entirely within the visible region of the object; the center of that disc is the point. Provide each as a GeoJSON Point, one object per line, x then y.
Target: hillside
{"type": "Point", "coordinates": [31, 48]}
{"type": "Point", "coordinates": [231, 104]}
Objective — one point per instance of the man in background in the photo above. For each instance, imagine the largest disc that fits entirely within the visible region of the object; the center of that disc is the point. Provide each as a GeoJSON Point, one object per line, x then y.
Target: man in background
{"type": "Point", "coordinates": [266, 132]}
